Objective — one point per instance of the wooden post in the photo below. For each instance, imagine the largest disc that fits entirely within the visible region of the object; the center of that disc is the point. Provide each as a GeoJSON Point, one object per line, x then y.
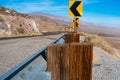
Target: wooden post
{"type": "Point", "coordinates": [80, 63]}
{"type": "Point", "coordinates": [70, 61]}
{"type": "Point", "coordinates": [72, 37]}
{"type": "Point", "coordinates": [58, 62]}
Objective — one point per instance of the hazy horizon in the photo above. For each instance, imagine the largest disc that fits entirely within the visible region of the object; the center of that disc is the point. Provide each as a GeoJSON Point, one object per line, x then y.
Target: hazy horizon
{"type": "Point", "coordinates": [99, 12]}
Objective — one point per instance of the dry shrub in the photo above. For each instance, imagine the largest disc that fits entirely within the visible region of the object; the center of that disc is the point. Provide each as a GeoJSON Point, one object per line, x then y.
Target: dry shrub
{"type": "Point", "coordinates": [1, 19]}
{"type": "Point", "coordinates": [101, 43]}
{"type": "Point", "coordinates": [20, 30]}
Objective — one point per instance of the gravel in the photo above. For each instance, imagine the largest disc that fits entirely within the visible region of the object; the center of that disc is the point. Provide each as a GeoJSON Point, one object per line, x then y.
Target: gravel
{"type": "Point", "coordinates": [107, 67]}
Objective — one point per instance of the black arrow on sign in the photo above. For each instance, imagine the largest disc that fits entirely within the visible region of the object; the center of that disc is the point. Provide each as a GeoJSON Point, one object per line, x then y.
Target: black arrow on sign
{"type": "Point", "coordinates": [74, 8]}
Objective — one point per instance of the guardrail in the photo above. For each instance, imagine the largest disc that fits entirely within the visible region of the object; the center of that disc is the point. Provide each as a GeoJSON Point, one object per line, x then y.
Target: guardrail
{"type": "Point", "coordinates": [13, 72]}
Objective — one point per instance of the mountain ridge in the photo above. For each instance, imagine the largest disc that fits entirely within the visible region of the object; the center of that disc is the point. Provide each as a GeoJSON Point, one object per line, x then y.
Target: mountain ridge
{"type": "Point", "coordinates": [37, 22]}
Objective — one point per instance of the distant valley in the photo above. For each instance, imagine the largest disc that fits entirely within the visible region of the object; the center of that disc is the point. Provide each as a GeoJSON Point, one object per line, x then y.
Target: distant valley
{"type": "Point", "coordinates": [13, 24]}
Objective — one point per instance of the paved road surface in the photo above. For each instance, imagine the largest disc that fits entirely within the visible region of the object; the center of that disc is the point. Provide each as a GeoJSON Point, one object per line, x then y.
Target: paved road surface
{"type": "Point", "coordinates": [14, 51]}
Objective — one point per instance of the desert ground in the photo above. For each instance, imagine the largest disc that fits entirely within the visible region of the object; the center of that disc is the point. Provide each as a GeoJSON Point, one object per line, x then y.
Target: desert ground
{"type": "Point", "coordinates": [114, 40]}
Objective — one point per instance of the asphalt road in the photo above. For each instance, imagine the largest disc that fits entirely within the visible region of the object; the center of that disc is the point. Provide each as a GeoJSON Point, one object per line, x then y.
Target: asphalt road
{"type": "Point", "coordinates": [14, 51]}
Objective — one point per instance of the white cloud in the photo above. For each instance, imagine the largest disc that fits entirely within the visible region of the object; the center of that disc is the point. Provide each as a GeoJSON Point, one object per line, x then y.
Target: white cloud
{"type": "Point", "coordinates": [46, 6]}
{"type": "Point", "coordinates": [90, 1]}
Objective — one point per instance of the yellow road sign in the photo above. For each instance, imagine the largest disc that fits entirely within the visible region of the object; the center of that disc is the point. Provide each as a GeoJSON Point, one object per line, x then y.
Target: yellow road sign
{"type": "Point", "coordinates": [75, 8]}
{"type": "Point", "coordinates": [69, 28]}
{"type": "Point", "coordinates": [77, 22]}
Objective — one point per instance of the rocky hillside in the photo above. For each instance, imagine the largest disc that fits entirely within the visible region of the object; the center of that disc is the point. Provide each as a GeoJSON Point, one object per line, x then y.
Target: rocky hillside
{"type": "Point", "coordinates": [46, 24]}
{"type": "Point", "coordinates": [13, 23]}
{"type": "Point", "coordinates": [7, 11]}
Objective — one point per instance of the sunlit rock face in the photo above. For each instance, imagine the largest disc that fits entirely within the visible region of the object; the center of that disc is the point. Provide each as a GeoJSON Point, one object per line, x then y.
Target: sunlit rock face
{"type": "Point", "coordinates": [13, 23]}
{"type": "Point", "coordinates": [34, 26]}
{"type": "Point", "coordinates": [17, 25]}
{"type": "Point", "coordinates": [5, 28]}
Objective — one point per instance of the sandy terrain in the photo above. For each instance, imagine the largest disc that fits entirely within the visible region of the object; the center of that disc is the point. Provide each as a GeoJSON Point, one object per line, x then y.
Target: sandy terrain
{"type": "Point", "coordinates": [114, 40]}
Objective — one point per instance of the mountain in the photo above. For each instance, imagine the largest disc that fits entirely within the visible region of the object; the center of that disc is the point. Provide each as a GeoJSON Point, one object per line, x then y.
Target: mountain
{"type": "Point", "coordinates": [84, 26]}
{"type": "Point", "coordinates": [50, 16]}
{"type": "Point", "coordinates": [49, 22]}
{"type": "Point", "coordinates": [13, 23]}
{"type": "Point", "coordinates": [101, 30]}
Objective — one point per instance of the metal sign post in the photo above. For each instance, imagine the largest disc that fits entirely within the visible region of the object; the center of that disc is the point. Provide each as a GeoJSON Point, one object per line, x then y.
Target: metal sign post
{"type": "Point", "coordinates": [75, 11]}
{"type": "Point", "coordinates": [76, 23]}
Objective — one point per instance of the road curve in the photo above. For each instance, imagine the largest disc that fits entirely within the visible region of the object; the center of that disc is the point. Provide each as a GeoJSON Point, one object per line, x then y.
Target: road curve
{"type": "Point", "coordinates": [14, 51]}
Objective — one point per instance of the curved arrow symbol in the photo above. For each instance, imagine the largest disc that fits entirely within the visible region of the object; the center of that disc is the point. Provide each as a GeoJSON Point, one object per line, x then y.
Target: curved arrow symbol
{"type": "Point", "coordinates": [74, 8]}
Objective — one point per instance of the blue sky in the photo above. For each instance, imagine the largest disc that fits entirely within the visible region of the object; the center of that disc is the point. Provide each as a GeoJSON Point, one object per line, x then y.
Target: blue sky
{"type": "Point", "coordinates": [99, 12]}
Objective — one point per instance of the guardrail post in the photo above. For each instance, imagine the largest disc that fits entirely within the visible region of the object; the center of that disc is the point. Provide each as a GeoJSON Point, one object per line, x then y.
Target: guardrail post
{"type": "Point", "coordinates": [58, 62]}
{"type": "Point", "coordinates": [70, 61]}
{"type": "Point", "coordinates": [72, 37]}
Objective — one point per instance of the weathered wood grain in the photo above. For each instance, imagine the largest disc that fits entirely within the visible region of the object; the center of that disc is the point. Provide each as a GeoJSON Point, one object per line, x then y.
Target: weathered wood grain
{"type": "Point", "coordinates": [70, 61]}
{"type": "Point", "coordinates": [72, 37]}
{"type": "Point", "coordinates": [58, 62]}
{"type": "Point", "coordinates": [80, 63]}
